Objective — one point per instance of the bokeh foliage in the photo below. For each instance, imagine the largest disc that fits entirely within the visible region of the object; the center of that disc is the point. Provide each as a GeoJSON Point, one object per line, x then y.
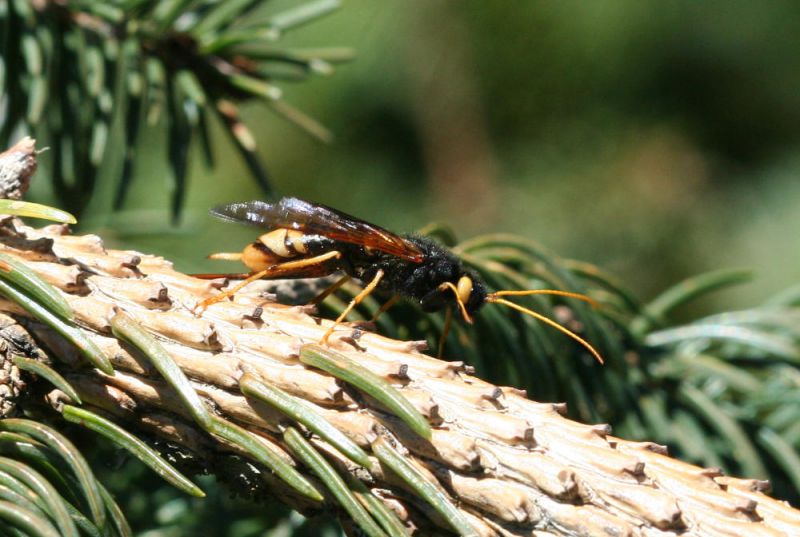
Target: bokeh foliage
{"type": "Point", "coordinates": [656, 146]}
{"type": "Point", "coordinates": [85, 77]}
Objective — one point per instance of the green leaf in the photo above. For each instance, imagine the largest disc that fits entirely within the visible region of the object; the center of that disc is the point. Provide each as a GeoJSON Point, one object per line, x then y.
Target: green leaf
{"type": "Point", "coordinates": [85, 525]}
{"type": "Point", "coordinates": [8, 494]}
{"type": "Point", "coordinates": [689, 289]}
{"type": "Point", "coordinates": [96, 71]}
{"type": "Point", "coordinates": [70, 332]}
{"type": "Point", "coordinates": [218, 43]}
{"type": "Point", "coordinates": [25, 11]}
{"type": "Point", "coordinates": [98, 143]}
{"type": "Point", "coordinates": [303, 14]}
{"type": "Point", "coordinates": [254, 445]}
{"type": "Point", "coordinates": [741, 449]}
{"type": "Point", "coordinates": [223, 14]}
{"type": "Point", "coordinates": [180, 135]}
{"type": "Point", "coordinates": [116, 516]}
{"type": "Point", "coordinates": [156, 93]}
{"type": "Point", "coordinates": [341, 367]}
{"type": "Point", "coordinates": [255, 86]}
{"type": "Point", "coordinates": [304, 121]}
{"type": "Point", "coordinates": [382, 514]}
{"type": "Point", "coordinates": [37, 99]}
{"type": "Point", "coordinates": [783, 452]}
{"type": "Point", "coordinates": [30, 522]}
{"type": "Point", "coordinates": [190, 86]}
{"type": "Point", "coordinates": [35, 210]}
{"type": "Point", "coordinates": [130, 331]}
{"type": "Point", "coordinates": [787, 297]}
{"type": "Point", "coordinates": [166, 12]}
{"type": "Point", "coordinates": [590, 272]}
{"type": "Point", "coordinates": [311, 458]}
{"type": "Point", "coordinates": [25, 449]}
{"type": "Point", "coordinates": [244, 141]}
{"type": "Point", "coordinates": [104, 10]}
{"type": "Point", "coordinates": [758, 340]}
{"type": "Point", "coordinates": [32, 54]}
{"type": "Point", "coordinates": [44, 490]}
{"type": "Point", "coordinates": [65, 449]}
{"type": "Point", "coordinates": [303, 413]}
{"type": "Point", "coordinates": [18, 274]}
{"type": "Point", "coordinates": [708, 366]}
{"type": "Point", "coordinates": [428, 491]}
{"type": "Point", "coordinates": [692, 439]}
{"type": "Point", "coordinates": [136, 447]}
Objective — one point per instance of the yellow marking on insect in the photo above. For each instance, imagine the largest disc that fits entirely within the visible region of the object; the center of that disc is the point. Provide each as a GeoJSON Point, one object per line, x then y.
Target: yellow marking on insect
{"type": "Point", "coordinates": [295, 240]}
{"type": "Point", "coordinates": [461, 306]}
{"type": "Point", "coordinates": [275, 241]}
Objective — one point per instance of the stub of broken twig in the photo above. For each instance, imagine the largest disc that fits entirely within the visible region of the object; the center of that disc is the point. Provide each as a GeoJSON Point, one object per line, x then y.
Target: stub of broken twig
{"type": "Point", "coordinates": [17, 166]}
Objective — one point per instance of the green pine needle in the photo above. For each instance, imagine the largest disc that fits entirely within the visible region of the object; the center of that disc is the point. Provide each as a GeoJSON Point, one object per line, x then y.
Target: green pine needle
{"type": "Point", "coordinates": [78, 65]}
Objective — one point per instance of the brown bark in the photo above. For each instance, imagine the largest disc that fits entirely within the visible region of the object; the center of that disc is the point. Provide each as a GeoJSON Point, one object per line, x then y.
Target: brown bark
{"type": "Point", "coordinates": [514, 466]}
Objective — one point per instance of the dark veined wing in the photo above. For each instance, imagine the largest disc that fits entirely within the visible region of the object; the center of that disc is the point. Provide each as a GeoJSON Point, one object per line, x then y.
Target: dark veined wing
{"type": "Point", "coordinates": [313, 218]}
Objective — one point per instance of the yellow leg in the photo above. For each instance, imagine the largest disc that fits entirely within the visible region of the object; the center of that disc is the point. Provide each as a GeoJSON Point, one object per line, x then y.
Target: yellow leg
{"type": "Point", "coordinates": [289, 268]}
{"type": "Point", "coordinates": [330, 290]}
{"type": "Point", "coordinates": [226, 256]}
{"type": "Point", "coordinates": [353, 303]}
{"type": "Point", "coordinates": [386, 305]}
{"type": "Point", "coordinates": [461, 306]}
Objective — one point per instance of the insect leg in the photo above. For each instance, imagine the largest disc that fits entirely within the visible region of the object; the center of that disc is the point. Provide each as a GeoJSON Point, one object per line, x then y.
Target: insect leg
{"type": "Point", "coordinates": [290, 268]}
{"type": "Point", "coordinates": [449, 286]}
{"type": "Point", "coordinates": [327, 292]}
{"type": "Point", "coordinates": [386, 305]}
{"type": "Point", "coordinates": [226, 256]}
{"type": "Point", "coordinates": [353, 303]}
{"type": "Point", "coordinates": [448, 322]}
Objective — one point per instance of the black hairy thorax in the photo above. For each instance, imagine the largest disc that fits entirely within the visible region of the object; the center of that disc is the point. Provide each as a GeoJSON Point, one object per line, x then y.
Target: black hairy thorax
{"type": "Point", "coordinates": [416, 281]}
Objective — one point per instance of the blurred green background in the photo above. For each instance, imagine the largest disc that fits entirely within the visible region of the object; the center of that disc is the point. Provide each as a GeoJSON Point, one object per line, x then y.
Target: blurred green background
{"type": "Point", "coordinates": [657, 141]}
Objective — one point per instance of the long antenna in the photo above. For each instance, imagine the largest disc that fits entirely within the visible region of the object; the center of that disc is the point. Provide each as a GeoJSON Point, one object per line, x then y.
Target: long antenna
{"type": "Point", "coordinates": [495, 298]}
{"type": "Point", "coordinates": [557, 292]}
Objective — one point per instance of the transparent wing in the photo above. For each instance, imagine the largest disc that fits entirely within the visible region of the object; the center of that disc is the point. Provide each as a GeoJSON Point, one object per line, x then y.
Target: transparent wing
{"type": "Point", "coordinates": [313, 218]}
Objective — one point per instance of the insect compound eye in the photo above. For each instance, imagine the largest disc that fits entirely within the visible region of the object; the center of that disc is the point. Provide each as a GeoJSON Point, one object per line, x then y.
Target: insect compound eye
{"type": "Point", "coordinates": [464, 289]}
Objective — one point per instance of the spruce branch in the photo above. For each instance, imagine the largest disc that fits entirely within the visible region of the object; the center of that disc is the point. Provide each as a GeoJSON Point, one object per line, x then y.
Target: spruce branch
{"type": "Point", "coordinates": [87, 77]}
{"type": "Point", "coordinates": [496, 463]}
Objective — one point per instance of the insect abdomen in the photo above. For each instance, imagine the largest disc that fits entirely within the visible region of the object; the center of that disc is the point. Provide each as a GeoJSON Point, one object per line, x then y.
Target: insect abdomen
{"type": "Point", "coordinates": [276, 247]}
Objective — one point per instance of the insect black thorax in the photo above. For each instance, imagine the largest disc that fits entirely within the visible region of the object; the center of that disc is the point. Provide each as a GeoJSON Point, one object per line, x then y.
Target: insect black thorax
{"type": "Point", "coordinates": [418, 281]}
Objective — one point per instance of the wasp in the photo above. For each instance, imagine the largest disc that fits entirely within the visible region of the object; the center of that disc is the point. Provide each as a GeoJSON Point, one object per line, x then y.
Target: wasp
{"type": "Point", "coordinates": [306, 240]}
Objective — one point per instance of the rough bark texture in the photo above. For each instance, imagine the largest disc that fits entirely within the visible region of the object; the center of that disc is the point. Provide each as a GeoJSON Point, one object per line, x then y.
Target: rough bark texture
{"type": "Point", "coordinates": [17, 166]}
{"type": "Point", "coordinates": [514, 466]}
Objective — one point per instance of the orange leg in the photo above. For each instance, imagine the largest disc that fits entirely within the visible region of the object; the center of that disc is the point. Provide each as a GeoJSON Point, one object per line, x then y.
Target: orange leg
{"type": "Point", "coordinates": [448, 321]}
{"type": "Point", "coordinates": [353, 303]}
{"type": "Point", "coordinates": [330, 290]}
{"type": "Point", "coordinates": [386, 305]}
{"type": "Point", "coordinates": [290, 268]}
